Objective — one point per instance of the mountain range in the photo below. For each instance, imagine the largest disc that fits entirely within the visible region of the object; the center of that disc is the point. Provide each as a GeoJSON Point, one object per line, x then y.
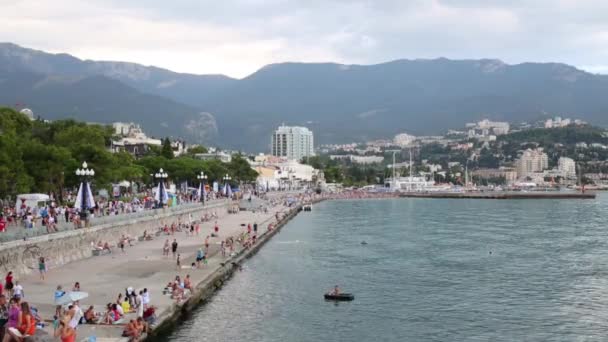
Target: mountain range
{"type": "Point", "coordinates": [340, 103]}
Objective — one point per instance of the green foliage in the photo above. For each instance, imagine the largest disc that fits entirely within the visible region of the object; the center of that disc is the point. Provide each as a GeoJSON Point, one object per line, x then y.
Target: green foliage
{"type": "Point", "coordinates": [197, 149]}
{"type": "Point", "coordinates": [563, 135]}
{"type": "Point", "coordinates": [166, 150]}
{"type": "Point", "coordinates": [37, 156]}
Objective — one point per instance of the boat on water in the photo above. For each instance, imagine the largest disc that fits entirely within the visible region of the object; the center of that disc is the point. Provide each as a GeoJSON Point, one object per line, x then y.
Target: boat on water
{"type": "Point", "coordinates": [344, 297]}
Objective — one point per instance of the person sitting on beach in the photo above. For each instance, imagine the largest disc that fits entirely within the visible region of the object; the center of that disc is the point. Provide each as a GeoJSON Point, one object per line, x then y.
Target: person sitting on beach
{"type": "Point", "coordinates": [126, 306]}
{"type": "Point", "coordinates": [131, 331]}
{"type": "Point", "coordinates": [177, 291]}
{"type": "Point", "coordinates": [108, 317]}
{"type": "Point", "coordinates": [142, 326]}
{"type": "Point", "coordinates": [150, 315]}
{"type": "Point", "coordinates": [89, 316]}
{"type": "Point", "coordinates": [106, 247]}
{"type": "Point", "coordinates": [187, 283]}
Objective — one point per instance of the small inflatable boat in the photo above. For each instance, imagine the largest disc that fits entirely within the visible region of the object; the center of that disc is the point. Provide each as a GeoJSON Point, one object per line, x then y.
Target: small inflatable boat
{"type": "Point", "coordinates": [340, 297]}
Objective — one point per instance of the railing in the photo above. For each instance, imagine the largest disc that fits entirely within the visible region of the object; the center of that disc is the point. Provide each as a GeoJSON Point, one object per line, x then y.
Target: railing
{"type": "Point", "coordinates": [13, 233]}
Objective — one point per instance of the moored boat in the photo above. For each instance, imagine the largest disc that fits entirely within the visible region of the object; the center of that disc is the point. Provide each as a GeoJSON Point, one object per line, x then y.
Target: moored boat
{"type": "Point", "coordinates": [340, 297]}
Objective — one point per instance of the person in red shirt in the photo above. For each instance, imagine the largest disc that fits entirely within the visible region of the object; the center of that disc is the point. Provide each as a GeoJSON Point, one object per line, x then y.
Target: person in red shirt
{"type": "Point", "coordinates": [2, 223]}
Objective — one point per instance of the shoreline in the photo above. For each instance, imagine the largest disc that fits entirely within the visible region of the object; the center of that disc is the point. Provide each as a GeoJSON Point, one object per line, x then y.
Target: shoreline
{"type": "Point", "coordinates": [170, 319]}
{"type": "Point", "coordinates": [500, 195]}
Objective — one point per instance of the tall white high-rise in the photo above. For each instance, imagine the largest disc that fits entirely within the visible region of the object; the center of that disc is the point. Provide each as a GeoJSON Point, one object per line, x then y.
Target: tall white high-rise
{"type": "Point", "coordinates": [532, 161]}
{"type": "Point", "coordinates": [567, 167]}
{"type": "Point", "coordinates": [292, 142]}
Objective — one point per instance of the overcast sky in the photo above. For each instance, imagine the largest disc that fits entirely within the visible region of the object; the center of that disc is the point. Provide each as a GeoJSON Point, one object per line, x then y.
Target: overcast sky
{"type": "Point", "coordinates": [237, 37]}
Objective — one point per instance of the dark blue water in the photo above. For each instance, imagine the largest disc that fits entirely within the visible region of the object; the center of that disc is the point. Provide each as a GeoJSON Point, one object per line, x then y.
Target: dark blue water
{"type": "Point", "coordinates": [433, 270]}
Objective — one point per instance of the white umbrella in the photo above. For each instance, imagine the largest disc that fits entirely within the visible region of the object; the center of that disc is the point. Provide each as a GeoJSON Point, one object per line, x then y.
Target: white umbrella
{"type": "Point", "coordinates": [71, 297]}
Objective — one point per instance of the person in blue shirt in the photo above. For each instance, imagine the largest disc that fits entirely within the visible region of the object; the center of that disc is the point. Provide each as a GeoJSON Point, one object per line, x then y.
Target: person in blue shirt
{"type": "Point", "coordinates": [200, 256]}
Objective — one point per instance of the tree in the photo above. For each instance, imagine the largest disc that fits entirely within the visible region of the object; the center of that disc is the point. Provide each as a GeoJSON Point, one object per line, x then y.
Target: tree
{"type": "Point", "coordinates": [240, 170]}
{"type": "Point", "coordinates": [166, 149]}
{"type": "Point", "coordinates": [197, 150]}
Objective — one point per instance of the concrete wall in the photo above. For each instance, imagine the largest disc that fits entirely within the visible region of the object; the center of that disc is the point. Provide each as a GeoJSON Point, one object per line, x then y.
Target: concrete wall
{"type": "Point", "coordinates": [21, 256]}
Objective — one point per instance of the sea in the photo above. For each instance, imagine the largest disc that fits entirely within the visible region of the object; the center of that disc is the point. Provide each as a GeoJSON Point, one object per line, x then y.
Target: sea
{"type": "Point", "coordinates": [422, 270]}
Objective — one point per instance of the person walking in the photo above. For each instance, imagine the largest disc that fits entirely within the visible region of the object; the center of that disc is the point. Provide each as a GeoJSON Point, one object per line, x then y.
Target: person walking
{"type": "Point", "coordinates": [8, 284]}
{"type": "Point", "coordinates": [174, 247]}
{"type": "Point", "coordinates": [166, 248]}
{"type": "Point", "coordinates": [42, 267]}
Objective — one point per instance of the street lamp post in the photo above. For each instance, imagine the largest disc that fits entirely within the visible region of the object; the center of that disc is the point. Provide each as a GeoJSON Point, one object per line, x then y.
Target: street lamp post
{"type": "Point", "coordinates": [202, 178]}
{"type": "Point", "coordinates": [83, 202]}
{"type": "Point", "coordinates": [227, 179]}
{"type": "Point", "coordinates": [162, 192]}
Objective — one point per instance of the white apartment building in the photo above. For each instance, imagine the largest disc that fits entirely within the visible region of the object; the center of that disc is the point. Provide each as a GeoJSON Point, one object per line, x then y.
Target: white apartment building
{"type": "Point", "coordinates": [566, 167]}
{"type": "Point", "coordinates": [531, 162]}
{"type": "Point", "coordinates": [292, 142]}
{"type": "Point", "coordinates": [404, 140]}
{"type": "Point", "coordinates": [485, 128]}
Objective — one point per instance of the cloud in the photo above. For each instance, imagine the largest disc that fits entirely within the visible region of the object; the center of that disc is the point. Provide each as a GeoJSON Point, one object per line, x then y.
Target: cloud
{"type": "Point", "coordinates": [237, 37]}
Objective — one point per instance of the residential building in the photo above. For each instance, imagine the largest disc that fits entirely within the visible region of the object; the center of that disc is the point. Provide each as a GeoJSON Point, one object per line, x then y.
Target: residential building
{"type": "Point", "coordinates": [217, 155]}
{"type": "Point", "coordinates": [133, 141]}
{"type": "Point", "coordinates": [358, 159]}
{"type": "Point", "coordinates": [509, 174]}
{"type": "Point", "coordinates": [292, 142]}
{"type": "Point", "coordinates": [532, 161]}
{"type": "Point", "coordinates": [404, 140]}
{"type": "Point", "coordinates": [486, 128]}
{"type": "Point", "coordinates": [566, 167]}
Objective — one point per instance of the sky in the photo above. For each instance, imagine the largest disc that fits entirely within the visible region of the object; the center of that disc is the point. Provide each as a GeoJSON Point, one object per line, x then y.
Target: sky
{"type": "Point", "coordinates": [238, 37]}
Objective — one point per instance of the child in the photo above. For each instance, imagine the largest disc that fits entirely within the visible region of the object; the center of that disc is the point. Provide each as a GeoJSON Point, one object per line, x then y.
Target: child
{"type": "Point", "coordinates": [55, 324]}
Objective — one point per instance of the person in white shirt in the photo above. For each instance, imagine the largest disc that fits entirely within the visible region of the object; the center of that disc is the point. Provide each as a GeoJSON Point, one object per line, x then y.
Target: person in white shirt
{"type": "Point", "coordinates": [18, 290]}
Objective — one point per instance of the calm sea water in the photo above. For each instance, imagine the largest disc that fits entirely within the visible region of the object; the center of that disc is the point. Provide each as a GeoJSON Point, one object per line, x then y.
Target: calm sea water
{"type": "Point", "coordinates": [433, 270]}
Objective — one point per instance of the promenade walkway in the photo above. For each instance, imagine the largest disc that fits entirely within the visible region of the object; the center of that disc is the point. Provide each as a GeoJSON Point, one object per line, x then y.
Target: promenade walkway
{"type": "Point", "coordinates": [140, 266]}
{"type": "Point", "coordinates": [19, 232]}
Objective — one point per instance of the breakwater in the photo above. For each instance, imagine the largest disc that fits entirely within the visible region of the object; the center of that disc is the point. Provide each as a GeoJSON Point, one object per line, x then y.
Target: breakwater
{"type": "Point", "coordinates": [501, 195]}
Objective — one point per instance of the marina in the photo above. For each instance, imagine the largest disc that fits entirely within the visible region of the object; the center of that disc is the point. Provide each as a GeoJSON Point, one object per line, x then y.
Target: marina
{"type": "Point", "coordinates": [500, 195]}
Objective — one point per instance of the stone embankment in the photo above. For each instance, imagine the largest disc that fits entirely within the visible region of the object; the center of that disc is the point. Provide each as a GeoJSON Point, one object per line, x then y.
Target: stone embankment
{"type": "Point", "coordinates": [204, 290]}
{"type": "Point", "coordinates": [21, 256]}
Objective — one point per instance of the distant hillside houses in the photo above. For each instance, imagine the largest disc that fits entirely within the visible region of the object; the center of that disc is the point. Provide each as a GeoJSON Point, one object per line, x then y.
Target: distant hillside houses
{"type": "Point", "coordinates": [559, 122]}
{"type": "Point", "coordinates": [486, 130]}
{"type": "Point", "coordinates": [358, 159]}
{"type": "Point", "coordinates": [133, 140]}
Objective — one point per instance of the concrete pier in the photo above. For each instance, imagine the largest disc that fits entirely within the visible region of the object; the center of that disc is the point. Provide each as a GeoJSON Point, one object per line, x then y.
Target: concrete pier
{"type": "Point", "coordinates": [502, 195]}
{"type": "Point", "coordinates": [143, 266]}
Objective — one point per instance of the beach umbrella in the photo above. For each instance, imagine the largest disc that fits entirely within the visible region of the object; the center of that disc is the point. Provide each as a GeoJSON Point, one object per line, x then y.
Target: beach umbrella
{"type": "Point", "coordinates": [70, 297]}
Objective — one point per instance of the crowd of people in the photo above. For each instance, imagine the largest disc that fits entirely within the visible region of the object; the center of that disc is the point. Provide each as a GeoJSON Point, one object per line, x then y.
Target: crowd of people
{"type": "Point", "coordinates": [52, 214]}
{"type": "Point", "coordinates": [132, 309]}
{"type": "Point", "coordinates": [18, 319]}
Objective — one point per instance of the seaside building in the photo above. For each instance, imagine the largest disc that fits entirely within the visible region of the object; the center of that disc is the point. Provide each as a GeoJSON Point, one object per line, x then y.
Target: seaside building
{"type": "Point", "coordinates": [358, 159]}
{"type": "Point", "coordinates": [486, 128]}
{"type": "Point", "coordinates": [292, 142]}
{"type": "Point", "coordinates": [133, 141]}
{"type": "Point", "coordinates": [404, 140]}
{"type": "Point", "coordinates": [566, 167]}
{"type": "Point", "coordinates": [532, 162]}
{"type": "Point", "coordinates": [214, 155]}
{"type": "Point", "coordinates": [509, 174]}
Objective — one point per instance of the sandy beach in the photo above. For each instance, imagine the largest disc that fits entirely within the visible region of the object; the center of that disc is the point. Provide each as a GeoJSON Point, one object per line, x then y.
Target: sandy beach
{"type": "Point", "coordinates": [140, 266]}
